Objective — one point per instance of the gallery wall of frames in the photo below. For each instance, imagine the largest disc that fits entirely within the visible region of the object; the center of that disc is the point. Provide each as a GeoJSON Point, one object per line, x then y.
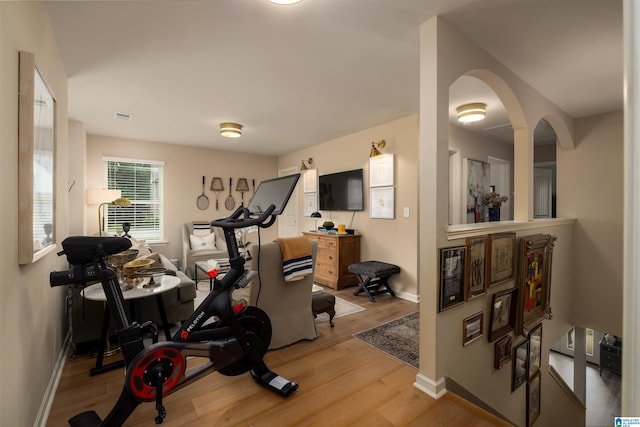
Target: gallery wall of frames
{"type": "Point", "coordinates": [515, 315]}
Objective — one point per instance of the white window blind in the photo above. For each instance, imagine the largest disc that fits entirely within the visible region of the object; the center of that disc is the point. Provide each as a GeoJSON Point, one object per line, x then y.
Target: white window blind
{"type": "Point", "coordinates": [140, 181]}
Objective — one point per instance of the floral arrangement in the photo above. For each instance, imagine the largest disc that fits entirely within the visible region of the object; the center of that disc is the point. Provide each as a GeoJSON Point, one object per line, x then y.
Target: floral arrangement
{"type": "Point", "coordinates": [493, 199]}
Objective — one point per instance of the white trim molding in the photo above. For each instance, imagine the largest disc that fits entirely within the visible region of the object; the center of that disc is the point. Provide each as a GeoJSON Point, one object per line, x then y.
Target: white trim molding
{"type": "Point", "coordinates": [435, 389]}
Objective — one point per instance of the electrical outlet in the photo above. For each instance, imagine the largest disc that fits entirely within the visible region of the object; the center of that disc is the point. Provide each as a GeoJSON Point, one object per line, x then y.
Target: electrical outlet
{"type": "Point", "coordinates": [406, 212]}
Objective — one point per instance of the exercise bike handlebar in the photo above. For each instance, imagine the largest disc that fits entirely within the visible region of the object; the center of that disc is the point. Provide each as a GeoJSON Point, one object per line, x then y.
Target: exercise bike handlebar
{"type": "Point", "coordinates": [241, 218]}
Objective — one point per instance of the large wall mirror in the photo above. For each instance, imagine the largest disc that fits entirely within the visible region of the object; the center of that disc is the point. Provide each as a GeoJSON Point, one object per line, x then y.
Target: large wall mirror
{"type": "Point", "coordinates": [36, 163]}
{"type": "Point", "coordinates": [481, 156]}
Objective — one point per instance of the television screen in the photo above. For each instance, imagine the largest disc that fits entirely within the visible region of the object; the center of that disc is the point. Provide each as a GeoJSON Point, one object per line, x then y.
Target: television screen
{"type": "Point", "coordinates": [342, 191]}
{"type": "Point", "coordinates": [273, 191]}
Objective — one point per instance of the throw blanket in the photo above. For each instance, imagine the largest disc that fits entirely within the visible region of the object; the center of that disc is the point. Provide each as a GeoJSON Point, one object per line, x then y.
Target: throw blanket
{"type": "Point", "coordinates": [296, 257]}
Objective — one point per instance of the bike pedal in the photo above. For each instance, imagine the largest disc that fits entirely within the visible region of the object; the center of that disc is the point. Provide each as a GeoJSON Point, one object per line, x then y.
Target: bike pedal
{"type": "Point", "coordinates": [275, 382]}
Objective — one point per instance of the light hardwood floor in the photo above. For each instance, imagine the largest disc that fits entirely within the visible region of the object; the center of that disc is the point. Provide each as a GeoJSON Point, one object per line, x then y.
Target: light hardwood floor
{"type": "Point", "coordinates": [343, 381]}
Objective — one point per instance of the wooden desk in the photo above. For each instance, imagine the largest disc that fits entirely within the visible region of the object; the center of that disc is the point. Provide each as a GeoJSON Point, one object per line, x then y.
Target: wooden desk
{"type": "Point", "coordinates": [335, 253]}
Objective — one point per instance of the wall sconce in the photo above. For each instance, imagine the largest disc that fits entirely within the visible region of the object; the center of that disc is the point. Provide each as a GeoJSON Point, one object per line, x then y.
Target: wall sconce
{"type": "Point", "coordinates": [469, 113]}
{"type": "Point", "coordinates": [231, 130]}
{"type": "Point", "coordinates": [304, 167]}
{"type": "Point", "coordinates": [374, 148]}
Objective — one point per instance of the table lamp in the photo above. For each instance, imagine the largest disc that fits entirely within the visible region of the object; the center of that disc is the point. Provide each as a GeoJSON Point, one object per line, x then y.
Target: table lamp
{"type": "Point", "coordinates": [315, 217]}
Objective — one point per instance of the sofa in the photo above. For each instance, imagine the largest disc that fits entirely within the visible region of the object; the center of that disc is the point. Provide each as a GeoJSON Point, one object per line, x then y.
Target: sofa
{"type": "Point", "coordinates": [210, 245]}
{"type": "Point", "coordinates": [86, 315]}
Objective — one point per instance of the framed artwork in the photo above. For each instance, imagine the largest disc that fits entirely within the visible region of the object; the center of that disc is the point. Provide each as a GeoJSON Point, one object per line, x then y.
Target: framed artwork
{"type": "Point", "coordinates": [477, 174]}
{"type": "Point", "coordinates": [535, 350]}
{"type": "Point", "coordinates": [503, 313]}
{"type": "Point", "coordinates": [534, 277]}
{"type": "Point", "coordinates": [501, 260]}
{"type": "Point", "coordinates": [533, 399]}
{"type": "Point", "coordinates": [475, 279]}
{"type": "Point", "coordinates": [382, 202]}
{"type": "Point", "coordinates": [472, 328]}
{"type": "Point", "coordinates": [502, 352]}
{"type": "Point", "coordinates": [520, 365]}
{"type": "Point", "coordinates": [452, 263]}
{"type": "Point", "coordinates": [381, 170]}
{"type": "Point", "coordinates": [36, 163]}
{"type": "Point", "coordinates": [310, 203]}
{"type": "Point", "coordinates": [310, 181]}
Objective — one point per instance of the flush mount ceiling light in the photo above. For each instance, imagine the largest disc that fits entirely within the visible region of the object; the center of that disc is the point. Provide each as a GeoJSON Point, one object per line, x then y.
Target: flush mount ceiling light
{"type": "Point", "coordinates": [285, 1]}
{"type": "Point", "coordinates": [230, 130]}
{"type": "Point", "coordinates": [469, 113]}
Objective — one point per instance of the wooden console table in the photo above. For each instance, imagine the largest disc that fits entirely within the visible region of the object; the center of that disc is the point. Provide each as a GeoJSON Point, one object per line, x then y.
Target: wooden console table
{"type": "Point", "coordinates": [335, 253]}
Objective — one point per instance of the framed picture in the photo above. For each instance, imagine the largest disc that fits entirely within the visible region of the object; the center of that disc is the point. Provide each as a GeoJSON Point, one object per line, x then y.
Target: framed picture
{"type": "Point", "coordinates": [452, 263]}
{"type": "Point", "coordinates": [381, 170]}
{"type": "Point", "coordinates": [520, 365]}
{"type": "Point", "coordinates": [501, 260]}
{"type": "Point", "coordinates": [475, 279]}
{"type": "Point", "coordinates": [382, 202]}
{"type": "Point", "coordinates": [503, 313]}
{"type": "Point", "coordinates": [36, 163]}
{"type": "Point", "coordinates": [534, 277]}
{"type": "Point", "coordinates": [533, 399]}
{"type": "Point", "coordinates": [535, 350]}
{"type": "Point", "coordinates": [502, 354]}
{"type": "Point", "coordinates": [472, 328]}
{"type": "Point", "coordinates": [310, 181]}
{"type": "Point", "coordinates": [477, 174]}
{"type": "Point", "coordinates": [310, 203]}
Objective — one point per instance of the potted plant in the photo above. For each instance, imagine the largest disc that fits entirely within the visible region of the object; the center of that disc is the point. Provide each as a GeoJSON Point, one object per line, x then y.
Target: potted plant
{"type": "Point", "coordinates": [328, 225]}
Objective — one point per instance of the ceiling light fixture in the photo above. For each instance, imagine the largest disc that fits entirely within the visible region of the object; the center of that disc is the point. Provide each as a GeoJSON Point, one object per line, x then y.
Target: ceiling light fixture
{"type": "Point", "coordinates": [285, 1]}
{"type": "Point", "coordinates": [305, 167]}
{"type": "Point", "coordinates": [231, 130]}
{"type": "Point", "coordinates": [469, 113]}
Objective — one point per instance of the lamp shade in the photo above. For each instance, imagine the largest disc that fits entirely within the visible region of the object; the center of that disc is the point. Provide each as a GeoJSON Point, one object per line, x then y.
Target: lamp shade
{"type": "Point", "coordinates": [96, 196]}
{"type": "Point", "coordinates": [469, 113]}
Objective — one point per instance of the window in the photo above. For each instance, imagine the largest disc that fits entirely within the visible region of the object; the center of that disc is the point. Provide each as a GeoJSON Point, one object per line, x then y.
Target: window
{"type": "Point", "coordinates": [141, 182]}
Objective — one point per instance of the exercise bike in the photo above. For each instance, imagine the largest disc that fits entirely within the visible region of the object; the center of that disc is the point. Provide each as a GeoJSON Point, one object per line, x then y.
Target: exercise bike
{"type": "Point", "coordinates": [235, 340]}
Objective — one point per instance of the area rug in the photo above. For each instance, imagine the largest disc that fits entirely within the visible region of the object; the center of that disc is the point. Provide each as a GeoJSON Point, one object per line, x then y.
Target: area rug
{"type": "Point", "coordinates": [398, 338]}
{"type": "Point", "coordinates": [343, 308]}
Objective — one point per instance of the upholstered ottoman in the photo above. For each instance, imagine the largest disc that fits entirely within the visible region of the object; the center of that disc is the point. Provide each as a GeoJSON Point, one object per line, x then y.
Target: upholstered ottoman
{"type": "Point", "coordinates": [373, 277]}
{"type": "Point", "coordinates": [324, 303]}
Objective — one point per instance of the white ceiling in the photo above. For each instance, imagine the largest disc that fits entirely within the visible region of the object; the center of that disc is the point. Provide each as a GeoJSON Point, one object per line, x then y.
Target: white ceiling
{"type": "Point", "coordinates": [298, 75]}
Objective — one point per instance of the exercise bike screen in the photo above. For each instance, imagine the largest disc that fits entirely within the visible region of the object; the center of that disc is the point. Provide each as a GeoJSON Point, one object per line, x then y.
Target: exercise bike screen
{"type": "Point", "coordinates": [275, 191]}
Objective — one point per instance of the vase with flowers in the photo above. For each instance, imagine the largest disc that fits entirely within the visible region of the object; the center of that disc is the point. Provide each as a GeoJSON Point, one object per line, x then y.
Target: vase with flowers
{"type": "Point", "coordinates": [493, 201]}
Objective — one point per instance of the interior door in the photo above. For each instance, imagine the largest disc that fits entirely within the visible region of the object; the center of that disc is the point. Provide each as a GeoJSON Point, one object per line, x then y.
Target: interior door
{"type": "Point", "coordinates": [542, 192]}
{"type": "Point", "coordinates": [499, 177]}
{"type": "Point", "coordinates": [288, 221]}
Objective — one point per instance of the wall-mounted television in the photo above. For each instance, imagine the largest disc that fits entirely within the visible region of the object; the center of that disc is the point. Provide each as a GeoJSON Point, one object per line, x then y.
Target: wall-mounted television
{"type": "Point", "coordinates": [341, 191]}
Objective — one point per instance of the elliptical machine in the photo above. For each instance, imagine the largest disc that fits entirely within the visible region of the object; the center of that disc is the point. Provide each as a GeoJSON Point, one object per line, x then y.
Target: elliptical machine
{"type": "Point", "coordinates": [235, 342]}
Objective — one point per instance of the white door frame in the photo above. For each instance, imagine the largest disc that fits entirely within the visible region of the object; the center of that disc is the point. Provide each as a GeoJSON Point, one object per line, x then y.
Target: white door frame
{"type": "Point", "coordinates": [500, 177]}
{"type": "Point", "coordinates": [288, 223]}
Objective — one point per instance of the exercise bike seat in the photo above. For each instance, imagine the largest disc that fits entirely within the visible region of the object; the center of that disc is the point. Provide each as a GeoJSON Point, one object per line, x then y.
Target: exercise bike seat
{"type": "Point", "coordinates": [85, 249]}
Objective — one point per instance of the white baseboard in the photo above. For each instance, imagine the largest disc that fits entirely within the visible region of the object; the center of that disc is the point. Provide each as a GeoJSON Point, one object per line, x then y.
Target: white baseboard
{"type": "Point", "coordinates": [407, 296]}
{"type": "Point", "coordinates": [52, 387]}
{"type": "Point", "coordinates": [435, 389]}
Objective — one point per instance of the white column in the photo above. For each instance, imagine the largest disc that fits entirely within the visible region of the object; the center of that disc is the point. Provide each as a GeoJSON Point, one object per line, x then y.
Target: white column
{"type": "Point", "coordinates": [630, 400]}
{"type": "Point", "coordinates": [580, 364]}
